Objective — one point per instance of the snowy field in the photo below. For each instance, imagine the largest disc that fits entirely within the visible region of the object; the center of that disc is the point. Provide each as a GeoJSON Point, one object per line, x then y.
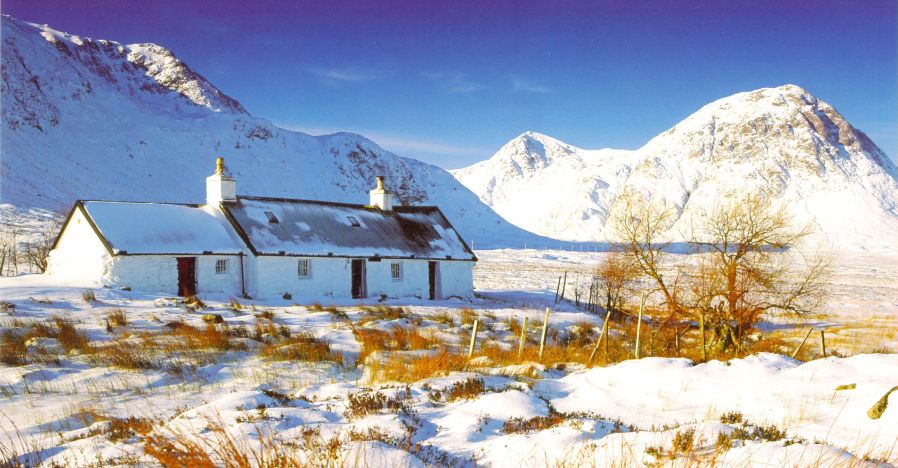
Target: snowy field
{"type": "Point", "coordinates": [131, 391]}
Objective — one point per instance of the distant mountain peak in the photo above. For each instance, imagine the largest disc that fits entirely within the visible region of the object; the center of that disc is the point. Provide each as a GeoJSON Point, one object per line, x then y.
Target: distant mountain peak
{"type": "Point", "coordinates": [782, 141]}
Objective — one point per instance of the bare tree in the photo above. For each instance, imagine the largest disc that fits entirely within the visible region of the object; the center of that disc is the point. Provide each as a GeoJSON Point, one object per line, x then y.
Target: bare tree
{"type": "Point", "coordinates": [37, 250]}
{"type": "Point", "coordinates": [640, 224]}
{"type": "Point", "coordinates": [612, 277]}
{"type": "Point", "coordinates": [752, 266]}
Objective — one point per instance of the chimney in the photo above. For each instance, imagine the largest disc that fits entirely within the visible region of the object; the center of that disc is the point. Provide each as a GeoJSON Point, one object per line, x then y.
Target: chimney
{"type": "Point", "coordinates": [381, 197]}
{"type": "Point", "coordinates": [220, 187]}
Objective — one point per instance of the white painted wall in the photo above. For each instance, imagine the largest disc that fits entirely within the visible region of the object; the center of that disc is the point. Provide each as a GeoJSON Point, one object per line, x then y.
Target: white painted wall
{"type": "Point", "coordinates": [457, 279]}
{"type": "Point", "coordinates": [159, 273]}
{"type": "Point", "coordinates": [276, 275]}
{"type": "Point", "coordinates": [79, 254]}
{"type": "Point", "coordinates": [332, 277]}
{"type": "Point", "coordinates": [414, 281]}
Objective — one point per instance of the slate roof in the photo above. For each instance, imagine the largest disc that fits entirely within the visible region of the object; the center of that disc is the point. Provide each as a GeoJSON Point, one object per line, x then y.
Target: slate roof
{"type": "Point", "coordinates": [161, 228]}
{"type": "Point", "coordinates": [317, 228]}
{"type": "Point", "coordinates": [275, 226]}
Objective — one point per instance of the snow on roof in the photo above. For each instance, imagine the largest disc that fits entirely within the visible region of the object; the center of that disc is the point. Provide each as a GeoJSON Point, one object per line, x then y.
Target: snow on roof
{"type": "Point", "coordinates": [273, 226]}
{"type": "Point", "coordinates": [157, 228]}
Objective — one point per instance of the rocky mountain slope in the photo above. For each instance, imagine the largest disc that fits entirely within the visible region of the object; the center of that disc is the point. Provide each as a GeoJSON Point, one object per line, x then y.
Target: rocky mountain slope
{"type": "Point", "coordinates": [95, 119]}
{"type": "Point", "coordinates": [783, 141]}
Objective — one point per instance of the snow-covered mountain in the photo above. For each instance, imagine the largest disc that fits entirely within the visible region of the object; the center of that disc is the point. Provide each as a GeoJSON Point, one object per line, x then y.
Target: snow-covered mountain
{"type": "Point", "coordinates": [781, 140]}
{"type": "Point", "coordinates": [95, 119]}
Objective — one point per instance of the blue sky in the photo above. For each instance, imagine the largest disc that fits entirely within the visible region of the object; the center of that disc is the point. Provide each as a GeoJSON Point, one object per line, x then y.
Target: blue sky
{"type": "Point", "coordinates": [450, 82]}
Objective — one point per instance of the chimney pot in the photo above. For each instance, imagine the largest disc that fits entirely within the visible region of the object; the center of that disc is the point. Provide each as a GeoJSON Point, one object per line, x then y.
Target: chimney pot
{"type": "Point", "coordinates": [220, 187]}
{"type": "Point", "coordinates": [380, 196]}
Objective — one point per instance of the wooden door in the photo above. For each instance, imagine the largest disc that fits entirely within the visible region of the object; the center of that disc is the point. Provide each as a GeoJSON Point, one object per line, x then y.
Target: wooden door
{"type": "Point", "coordinates": [358, 279]}
{"type": "Point", "coordinates": [186, 276]}
{"type": "Point", "coordinates": [432, 276]}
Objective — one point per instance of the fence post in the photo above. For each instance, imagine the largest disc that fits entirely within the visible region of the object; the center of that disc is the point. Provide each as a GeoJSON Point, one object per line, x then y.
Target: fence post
{"type": "Point", "coordinates": [523, 338]}
{"type": "Point", "coordinates": [563, 285]}
{"type": "Point", "coordinates": [795, 353]}
{"type": "Point", "coordinates": [639, 323]}
{"type": "Point", "coordinates": [822, 344]}
{"type": "Point", "coordinates": [473, 338]}
{"type": "Point", "coordinates": [542, 339]}
{"type": "Point", "coordinates": [601, 335]}
{"type": "Point", "coordinates": [557, 290]}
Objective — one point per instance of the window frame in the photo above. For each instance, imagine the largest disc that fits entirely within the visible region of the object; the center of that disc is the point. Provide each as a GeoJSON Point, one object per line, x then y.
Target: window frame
{"type": "Point", "coordinates": [397, 274]}
{"type": "Point", "coordinates": [222, 266]}
{"type": "Point", "coordinates": [308, 268]}
{"type": "Point", "coordinates": [353, 221]}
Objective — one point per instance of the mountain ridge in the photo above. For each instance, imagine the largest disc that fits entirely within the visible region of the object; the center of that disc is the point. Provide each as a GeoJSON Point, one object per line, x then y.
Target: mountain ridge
{"type": "Point", "coordinates": [783, 141]}
{"type": "Point", "coordinates": [94, 119]}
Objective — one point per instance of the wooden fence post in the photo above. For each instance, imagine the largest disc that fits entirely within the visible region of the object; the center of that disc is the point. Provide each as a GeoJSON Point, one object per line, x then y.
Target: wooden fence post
{"type": "Point", "coordinates": [523, 338]}
{"type": "Point", "coordinates": [473, 338]}
{"type": "Point", "coordinates": [822, 344]}
{"type": "Point", "coordinates": [542, 339]}
{"type": "Point", "coordinates": [795, 353]}
{"type": "Point", "coordinates": [639, 323]}
{"type": "Point", "coordinates": [599, 340]}
{"type": "Point", "coordinates": [563, 285]}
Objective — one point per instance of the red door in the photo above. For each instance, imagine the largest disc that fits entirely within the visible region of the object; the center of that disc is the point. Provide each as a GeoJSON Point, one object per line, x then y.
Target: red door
{"type": "Point", "coordinates": [186, 276]}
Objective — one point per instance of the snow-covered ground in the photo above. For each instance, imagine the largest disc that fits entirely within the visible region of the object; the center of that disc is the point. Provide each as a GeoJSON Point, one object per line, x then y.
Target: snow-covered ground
{"type": "Point", "coordinates": [763, 410]}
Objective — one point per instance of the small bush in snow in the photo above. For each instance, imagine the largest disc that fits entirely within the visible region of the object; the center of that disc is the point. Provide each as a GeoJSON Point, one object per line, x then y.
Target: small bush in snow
{"type": "Point", "coordinates": [731, 417]}
{"type": "Point", "coordinates": [466, 389]}
{"type": "Point", "coordinates": [88, 296]}
{"type": "Point", "coordinates": [683, 441]}
{"type": "Point", "coordinates": [362, 404]}
{"type": "Point", "coordinates": [538, 423]}
{"type": "Point", "coordinates": [117, 318]}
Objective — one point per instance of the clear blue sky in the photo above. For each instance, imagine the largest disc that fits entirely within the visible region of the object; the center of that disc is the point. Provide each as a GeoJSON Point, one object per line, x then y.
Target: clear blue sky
{"type": "Point", "coordinates": [450, 83]}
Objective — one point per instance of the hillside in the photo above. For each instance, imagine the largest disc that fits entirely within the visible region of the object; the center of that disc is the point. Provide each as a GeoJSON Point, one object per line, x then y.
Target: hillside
{"type": "Point", "coordinates": [783, 141]}
{"type": "Point", "coordinates": [95, 119]}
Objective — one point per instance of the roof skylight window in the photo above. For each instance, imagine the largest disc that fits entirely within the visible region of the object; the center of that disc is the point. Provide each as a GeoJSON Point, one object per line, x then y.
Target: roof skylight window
{"type": "Point", "coordinates": [271, 217]}
{"type": "Point", "coordinates": [353, 221]}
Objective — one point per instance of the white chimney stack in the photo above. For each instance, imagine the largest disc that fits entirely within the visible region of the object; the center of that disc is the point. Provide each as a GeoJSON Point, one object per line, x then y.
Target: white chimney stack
{"type": "Point", "coordinates": [381, 197]}
{"type": "Point", "coordinates": [220, 187]}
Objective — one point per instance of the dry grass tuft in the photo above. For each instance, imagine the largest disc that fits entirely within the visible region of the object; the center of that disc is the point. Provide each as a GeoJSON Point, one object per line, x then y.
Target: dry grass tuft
{"type": "Point", "coordinates": [12, 348]}
{"type": "Point", "coordinates": [397, 339]}
{"type": "Point", "coordinates": [383, 312]}
{"type": "Point", "coordinates": [398, 368]}
{"type": "Point", "coordinates": [117, 317]}
{"type": "Point", "coordinates": [301, 347]}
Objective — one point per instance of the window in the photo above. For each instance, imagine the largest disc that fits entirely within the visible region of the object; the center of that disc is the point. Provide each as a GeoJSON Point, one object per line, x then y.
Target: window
{"type": "Point", "coordinates": [271, 217]}
{"type": "Point", "coordinates": [353, 221]}
{"type": "Point", "coordinates": [304, 268]}
{"type": "Point", "coordinates": [396, 271]}
{"type": "Point", "coordinates": [221, 266]}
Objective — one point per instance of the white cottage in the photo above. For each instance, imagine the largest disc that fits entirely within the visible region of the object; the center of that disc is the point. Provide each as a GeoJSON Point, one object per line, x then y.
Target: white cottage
{"type": "Point", "coordinates": [263, 247]}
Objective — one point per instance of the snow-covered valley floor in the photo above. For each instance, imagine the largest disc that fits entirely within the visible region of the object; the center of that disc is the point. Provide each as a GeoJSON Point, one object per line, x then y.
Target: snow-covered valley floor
{"type": "Point", "coordinates": [140, 378]}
